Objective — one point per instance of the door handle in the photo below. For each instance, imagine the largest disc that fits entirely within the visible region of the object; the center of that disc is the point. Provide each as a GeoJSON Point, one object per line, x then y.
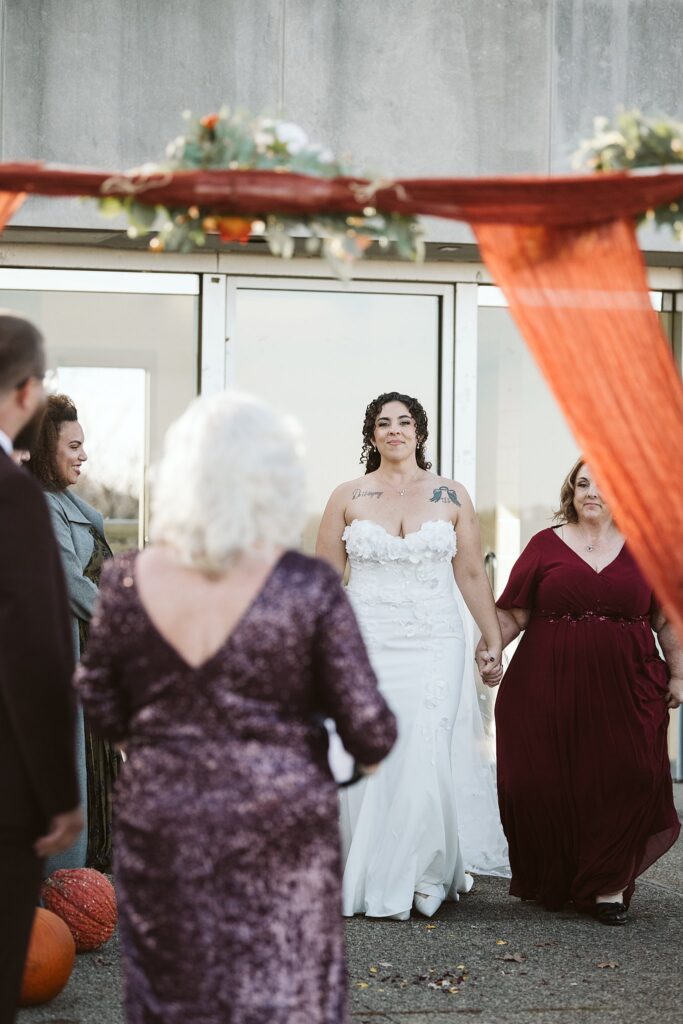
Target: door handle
{"type": "Point", "coordinates": [490, 565]}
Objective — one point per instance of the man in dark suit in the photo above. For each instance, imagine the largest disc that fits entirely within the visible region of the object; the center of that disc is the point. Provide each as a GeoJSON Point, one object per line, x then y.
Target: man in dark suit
{"type": "Point", "coordinates": [39, 813]}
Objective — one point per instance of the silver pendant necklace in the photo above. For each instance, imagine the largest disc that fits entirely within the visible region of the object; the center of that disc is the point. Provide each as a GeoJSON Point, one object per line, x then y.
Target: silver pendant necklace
{"type": "Point", "coordinates": [401, 493]}
{"type": "Point", "coordinates": [591, 547]}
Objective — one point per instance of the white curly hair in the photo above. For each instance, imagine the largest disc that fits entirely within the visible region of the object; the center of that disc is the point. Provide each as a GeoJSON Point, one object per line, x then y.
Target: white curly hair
{"type": "Point", "coordinates": [230, 480]}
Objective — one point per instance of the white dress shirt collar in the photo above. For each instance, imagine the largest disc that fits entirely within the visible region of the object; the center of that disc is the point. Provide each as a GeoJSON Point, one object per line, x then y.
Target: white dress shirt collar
{"type": "Point", "coordinates": [6, 443]}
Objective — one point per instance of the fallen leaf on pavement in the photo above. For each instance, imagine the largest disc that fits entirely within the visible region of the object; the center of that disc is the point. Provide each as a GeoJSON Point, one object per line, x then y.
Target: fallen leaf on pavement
{"type": "Point", "coordinates": [607, 963]}
{"type": "Point", "coordinates": [449, 983]}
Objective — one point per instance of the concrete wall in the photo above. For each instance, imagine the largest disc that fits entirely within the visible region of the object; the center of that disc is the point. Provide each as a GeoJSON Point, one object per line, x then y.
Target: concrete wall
{"type": "Point", "coordinates": [409, 87]}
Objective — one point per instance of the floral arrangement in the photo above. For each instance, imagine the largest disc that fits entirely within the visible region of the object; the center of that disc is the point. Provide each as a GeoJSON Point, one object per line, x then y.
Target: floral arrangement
{"type": "Point", "coordinates": [636, 142]}
{"type": "Point", "coordinates": [234, 141]}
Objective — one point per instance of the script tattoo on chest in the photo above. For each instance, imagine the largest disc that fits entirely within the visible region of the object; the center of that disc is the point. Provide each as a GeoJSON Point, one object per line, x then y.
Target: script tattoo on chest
{"type": "Point", "coordinates": [360, 493]}
{"type": "Point", "coordinates": [445, 495]}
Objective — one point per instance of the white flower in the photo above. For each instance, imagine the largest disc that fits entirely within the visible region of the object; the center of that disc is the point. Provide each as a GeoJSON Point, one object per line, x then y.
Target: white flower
{"type": "Point", "coordinates": [324, 155]}
{"type": "Point", "coordinates": [264, 135]}
{"type": "Point", "coordinates": [291, 136]}
{"type": "Point", "coordinates": [176, 147]}
{"type": "Point", "coordinates": [612, 138]}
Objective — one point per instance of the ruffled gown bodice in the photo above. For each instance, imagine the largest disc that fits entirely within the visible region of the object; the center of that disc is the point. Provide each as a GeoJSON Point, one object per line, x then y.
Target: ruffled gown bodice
{"type": "Point", "coordinates": [400, 570]}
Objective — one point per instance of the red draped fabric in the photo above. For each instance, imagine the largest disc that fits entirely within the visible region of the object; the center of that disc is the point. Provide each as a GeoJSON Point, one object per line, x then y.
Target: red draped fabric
{"type": "Point", "coordinates": [576, 199]}
{"type": "Point", "coordinates": [564, 252]}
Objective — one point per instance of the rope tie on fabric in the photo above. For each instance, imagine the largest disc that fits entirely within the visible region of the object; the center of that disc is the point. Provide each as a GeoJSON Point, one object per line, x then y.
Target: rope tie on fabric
{"type": "Point", "coordinates": [135, 183]}
{"type": "Point", "coordinates": [367, 193]}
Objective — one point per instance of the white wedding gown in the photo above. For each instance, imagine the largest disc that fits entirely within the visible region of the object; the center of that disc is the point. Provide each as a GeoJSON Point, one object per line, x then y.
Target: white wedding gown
{"type": "Point", "coordinates": [430, 813]}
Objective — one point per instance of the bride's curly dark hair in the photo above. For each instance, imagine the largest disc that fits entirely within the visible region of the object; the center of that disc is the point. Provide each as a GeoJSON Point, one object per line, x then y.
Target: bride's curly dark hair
{"type": "Point", "coordinates": [369, 454]}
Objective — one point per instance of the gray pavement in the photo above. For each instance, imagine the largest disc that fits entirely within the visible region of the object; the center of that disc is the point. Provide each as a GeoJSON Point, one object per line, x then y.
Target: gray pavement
{"type": "Point", "coordinates": [489, 958]}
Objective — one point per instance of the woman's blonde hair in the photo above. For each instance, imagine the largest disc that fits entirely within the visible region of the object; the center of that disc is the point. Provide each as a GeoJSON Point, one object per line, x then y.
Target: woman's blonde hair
{"type": "Point", "coordinates": [230, 479]}
{"type": "Point", "coordinates": [566, 513]}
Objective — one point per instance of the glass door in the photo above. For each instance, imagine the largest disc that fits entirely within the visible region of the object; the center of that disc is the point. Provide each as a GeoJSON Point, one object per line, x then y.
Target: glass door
{"type": "Point", "coordinates": [672, 322]}
{"type": "Point", "coordinates": [123, 346]}
{"type": "Point", "coordinates": [524, 447]}
{"type": "Point", "coordinates": [321, 351]}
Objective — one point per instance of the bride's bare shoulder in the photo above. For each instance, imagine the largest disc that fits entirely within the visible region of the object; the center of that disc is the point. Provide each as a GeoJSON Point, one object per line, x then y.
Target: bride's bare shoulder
{"type": "Point", "coordinates": [350, 488]}
{"type": "Point", "coordinates": [446, 491]}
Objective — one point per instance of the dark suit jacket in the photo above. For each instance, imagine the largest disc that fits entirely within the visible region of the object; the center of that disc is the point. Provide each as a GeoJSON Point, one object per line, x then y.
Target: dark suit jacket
{"type": "Point", "coordinates": [37, 706]}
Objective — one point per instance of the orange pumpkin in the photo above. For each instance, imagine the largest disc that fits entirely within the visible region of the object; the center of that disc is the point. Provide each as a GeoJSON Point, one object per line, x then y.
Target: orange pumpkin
{"type": "Point", "coordinates": [85, 900]}
{"type": "Point", "coordinates": [50, 958]}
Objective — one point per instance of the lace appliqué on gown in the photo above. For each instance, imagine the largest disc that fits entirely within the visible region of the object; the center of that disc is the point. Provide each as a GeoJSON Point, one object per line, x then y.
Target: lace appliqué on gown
{"type": "Point", "coordinates": [430, 812]}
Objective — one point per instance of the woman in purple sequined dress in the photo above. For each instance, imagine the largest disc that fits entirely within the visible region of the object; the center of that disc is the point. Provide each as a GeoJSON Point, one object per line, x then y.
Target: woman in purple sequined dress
{"type": "Point", "coordinates": [213, 657]}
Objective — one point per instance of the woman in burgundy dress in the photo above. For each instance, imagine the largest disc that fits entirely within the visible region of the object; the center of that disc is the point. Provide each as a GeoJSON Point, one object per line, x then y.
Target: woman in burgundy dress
{"type": "Point", "coordinates": [214, 657]}
{"type": "Point", "coordinates": [583, 773]}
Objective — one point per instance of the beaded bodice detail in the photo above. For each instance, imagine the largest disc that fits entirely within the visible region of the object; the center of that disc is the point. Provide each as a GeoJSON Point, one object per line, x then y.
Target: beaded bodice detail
{"type": "Point", "coordinates": [386, 569]}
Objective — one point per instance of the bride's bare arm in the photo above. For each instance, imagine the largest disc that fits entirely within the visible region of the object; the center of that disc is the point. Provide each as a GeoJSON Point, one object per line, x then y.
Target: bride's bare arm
{"type": "Point", "coordinates": [329, 544]}
{"type": "Point", "coordinates": [468, 566]}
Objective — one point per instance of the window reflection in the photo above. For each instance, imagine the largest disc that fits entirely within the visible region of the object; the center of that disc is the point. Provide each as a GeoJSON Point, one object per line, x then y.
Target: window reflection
{"type": "Point", "coordinates": [151, 338]}
{"type": "Point", "coordinates": [111, 403]}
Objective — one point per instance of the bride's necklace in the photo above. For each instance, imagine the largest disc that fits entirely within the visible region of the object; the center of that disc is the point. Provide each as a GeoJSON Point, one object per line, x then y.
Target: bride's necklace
{"type": "Point", "coordinates": [402, 491]}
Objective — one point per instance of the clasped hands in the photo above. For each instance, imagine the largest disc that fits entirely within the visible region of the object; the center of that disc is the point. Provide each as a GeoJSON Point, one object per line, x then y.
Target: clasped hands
{"type": "Point", "coordinates": [489, 661]}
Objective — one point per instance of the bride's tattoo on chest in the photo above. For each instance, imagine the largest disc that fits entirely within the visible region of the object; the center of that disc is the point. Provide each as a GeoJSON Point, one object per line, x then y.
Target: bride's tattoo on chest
{"type": "Point", "coordinates": [360, 493]}
{"type": "Point", "coordinates": [445, 495]}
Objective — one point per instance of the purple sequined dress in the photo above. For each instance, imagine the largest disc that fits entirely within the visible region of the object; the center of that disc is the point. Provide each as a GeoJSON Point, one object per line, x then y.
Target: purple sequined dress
{"type": "Point", "coordinates": [226, 837]}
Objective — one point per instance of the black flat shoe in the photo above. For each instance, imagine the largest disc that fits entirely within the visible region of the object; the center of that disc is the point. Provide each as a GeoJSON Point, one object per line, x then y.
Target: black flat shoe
{"type": "Point", "coordinates": [610, 913]}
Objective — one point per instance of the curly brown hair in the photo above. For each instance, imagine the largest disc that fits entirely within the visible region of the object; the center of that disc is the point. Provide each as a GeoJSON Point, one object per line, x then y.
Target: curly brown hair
{"type": "Point", "coordinates": [566, 513]}
{"type": "Point", "coordinates": [59, 409]}
{"type": "Point", "coordinates": [369, 454]}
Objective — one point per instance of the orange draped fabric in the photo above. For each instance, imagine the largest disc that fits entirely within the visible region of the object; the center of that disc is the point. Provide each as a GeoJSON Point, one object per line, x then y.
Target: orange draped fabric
{"type": "Point", "coordinates": [580, 298]}
{"type": "Point", "coordinates": [567, 258]}
{"type": "Point", "coordinates": [9, 204]}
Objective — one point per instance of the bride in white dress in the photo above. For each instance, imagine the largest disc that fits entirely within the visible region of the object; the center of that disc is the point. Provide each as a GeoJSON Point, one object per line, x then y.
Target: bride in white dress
{"type": "Point", "coordinates": [412, 828]}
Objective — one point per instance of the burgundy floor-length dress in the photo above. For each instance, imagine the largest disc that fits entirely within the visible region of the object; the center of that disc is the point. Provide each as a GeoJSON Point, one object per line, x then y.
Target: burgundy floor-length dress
{"type": "Point", "coordinates": [226, 849]}
{"type": "Point", "coordinates": [583, 772]}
